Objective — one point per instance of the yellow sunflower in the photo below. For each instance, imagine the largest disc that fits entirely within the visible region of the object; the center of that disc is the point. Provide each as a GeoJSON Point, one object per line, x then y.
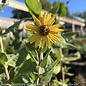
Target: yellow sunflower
{"type": "Point", "coordinates": [45, 31]}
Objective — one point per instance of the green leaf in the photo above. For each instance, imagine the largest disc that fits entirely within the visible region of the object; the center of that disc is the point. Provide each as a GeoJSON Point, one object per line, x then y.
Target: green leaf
{"type": "Point", "coordinates": [10, 49]}
{"type": "Point", "coordinates": [59, 8]}
{"type": "Point", "coordinates": [55, 7]}
{"type": "Point", "coordinates": [24, 79]}
{"type": "Point", "coordinates": [32, 76]}
{"type": "Point", "coordinates": [42, 70]}
{"type": "Point", "coordinates": [75, 57]}
{"type": "Point", "coordinates": [69, 74]}
{"type": "Point", "coordinates": [3, 58]}
{"type": "Point", "coordinates": [34, 6]}
{"type": "Point", "coordinates": [29, 77]}
{"type": "Point", "coordinates": [49, 62]}
{"type": "Point", "coordinates": [50, 67]}
{"type": "Point", "coordinates": [46, 77]}
{"type": "Point", "coordinates": [25, 70]}
{"type": "Point", "coordinates": [62, 10]}
{"type": "Point", "coordinates": [2, 77]}
{"type": "Point", "coordinates": [67, 80]}
{"type": "Point", "coordinates": [55, 54]}
{"type": "Point", "coordinates": [59, 83]}
{"type": "Point", "coordinates": [57, 69]}
{"type": "Point", "coordinates": [43, 63]}
{"type": "Point", "coordinates": [28, 65]}
{"type": "Point", "coordinates": [61, 44]}
{"type": "Point", "coordinates": [23, 53]}
{"type": "Point", "coordinates": [12, 59]}
{"type": "Point", "coordinates": [70, 36]}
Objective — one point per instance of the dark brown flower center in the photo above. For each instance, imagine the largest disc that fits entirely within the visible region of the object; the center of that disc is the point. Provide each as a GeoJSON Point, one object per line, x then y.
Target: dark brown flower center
{"type": "Point", "coordinates": [44, 30]}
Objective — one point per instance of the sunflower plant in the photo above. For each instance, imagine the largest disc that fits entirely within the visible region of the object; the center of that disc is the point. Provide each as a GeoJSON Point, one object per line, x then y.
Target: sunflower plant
{"type": "Point", "coordinates": [37, 57]}
{"type": "Point", "coordinates": [45, 33]}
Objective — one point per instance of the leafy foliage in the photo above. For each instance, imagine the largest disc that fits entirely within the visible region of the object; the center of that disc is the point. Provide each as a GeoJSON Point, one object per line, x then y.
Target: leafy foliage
{"type": "Point", "coordinates": [33, 8]}
{"type": "Point", "coordinates": [59, 8]}
{"type": "Point", "coordinates": [3, 5]}
{"type": "Point", "coordinates": [46, 5]}
{"type": "Point", "coordinates": [21, 62]}
{"type": "Point", "coordinates": [3, 1]}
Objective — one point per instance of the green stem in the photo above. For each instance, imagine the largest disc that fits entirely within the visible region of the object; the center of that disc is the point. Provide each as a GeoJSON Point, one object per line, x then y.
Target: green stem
{"type": "Point", "coordinates": [60, 50]}
{"type": "Point", "coordinates": [7, 73]}
{"type": "Point", "coordinates": [2, 49]}
{"type": "Point", "coordinates": [63, 73]}
{"type": "Point", "coordinates": [40, 59]}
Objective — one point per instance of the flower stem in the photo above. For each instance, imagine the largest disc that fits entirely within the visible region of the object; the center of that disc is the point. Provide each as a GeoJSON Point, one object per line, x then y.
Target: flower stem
{"type": "Point", "coordinates": [63, 73]}
{"type": "Point", "coordinates": [60, 50]}
{"type": "Point", "coordinates": [1, 42]}
{"type": "Point", "coordinates": [40, 59]}
{"type": "Point", "coordinates": [7, 73]}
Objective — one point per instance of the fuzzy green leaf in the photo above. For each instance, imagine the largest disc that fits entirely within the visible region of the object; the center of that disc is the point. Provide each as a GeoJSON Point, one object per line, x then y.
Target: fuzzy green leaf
{"type": "Point", "coordinates": [3, 58]}
{"type": "Point", "coordinates": [57, 69]}
{"type": "Point", "coordinates": [34, 6]}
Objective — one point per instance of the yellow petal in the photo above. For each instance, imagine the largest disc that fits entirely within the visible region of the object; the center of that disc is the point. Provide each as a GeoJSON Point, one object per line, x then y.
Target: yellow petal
{"type": "Point", "coordinates": [37, 21]}
{"type": "Point", "coordinates": [34, 38]}
{"type": "Point", "coordinates": [53, 38]}
{"type": "Point", "coordinates": [55, 28]}
{"type": "Point", "coordinates": [37, 42]}
{"type": "Point", "coordinates": [51, 21]}
{"type": "Point", "coordinates": [45, 15]}
{"type": "Point", "coordinates": [43, 41]}
{"type": "Point", "coordinates": [57, 35]}
{"type": "Point", "coordinates": [41, 18]}
{"type": "Point", "coordinates": [31, 27]}
{"type": "Point", "coordinates": [48, 42]}
{"type": "Point", "coordinates": [48, 17]}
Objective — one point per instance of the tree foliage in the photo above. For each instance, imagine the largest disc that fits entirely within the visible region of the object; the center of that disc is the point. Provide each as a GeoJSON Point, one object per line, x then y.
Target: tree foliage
{"type": "Point", "coordinates": [46, 5]}
{"type": "Point", "coordinates": [80, 14]}
{"type": "Point", "coordinates": [60, 8]}
{"type": "Point", "coordinates": [19, 14]}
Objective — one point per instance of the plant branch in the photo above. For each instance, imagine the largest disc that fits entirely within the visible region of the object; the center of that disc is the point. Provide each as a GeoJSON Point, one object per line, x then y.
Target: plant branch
{"type": "Point", "coordinates": [1, 42]}
{"type": "Point", "coordinates": [7, 73]}
{"type": "Point", "coordinates": [76, 63]}
{"type": "Point", "coordinates": [40, 59]}
{"type": "Point", "coordinates": [63, 75]}
{"type": "Point", "coordinates": [60, 50]}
